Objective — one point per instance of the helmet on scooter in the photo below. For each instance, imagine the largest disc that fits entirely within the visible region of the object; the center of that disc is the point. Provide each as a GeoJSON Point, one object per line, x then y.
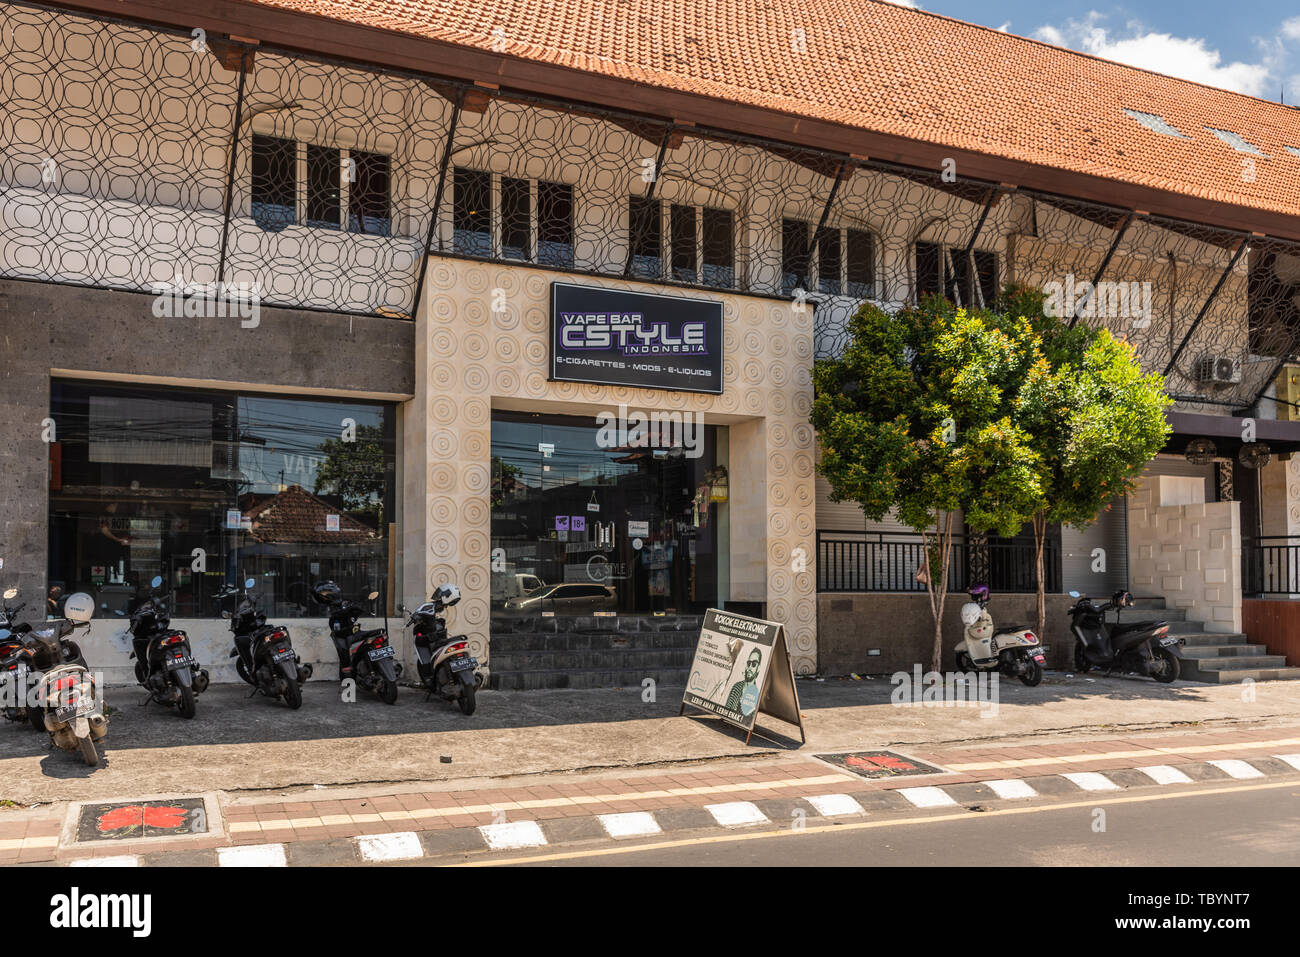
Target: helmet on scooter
{"type": "Point", "coordinates": [447, 593]}
{"type": "Point", "coordinates": [970, 613]}
{"type": "Point", "coordinates": [327, 593]}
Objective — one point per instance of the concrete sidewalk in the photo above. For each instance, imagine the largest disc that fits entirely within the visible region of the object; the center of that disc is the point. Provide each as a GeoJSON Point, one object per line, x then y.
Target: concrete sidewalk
{"type": "Point", "coordinates": [240, 744]}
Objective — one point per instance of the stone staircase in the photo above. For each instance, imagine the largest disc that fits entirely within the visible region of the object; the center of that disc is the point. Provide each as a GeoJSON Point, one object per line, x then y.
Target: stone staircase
{"type": "Point", "coordinates": [1213, 657]}
{"type": "Point", "coordinates": [591, 652]}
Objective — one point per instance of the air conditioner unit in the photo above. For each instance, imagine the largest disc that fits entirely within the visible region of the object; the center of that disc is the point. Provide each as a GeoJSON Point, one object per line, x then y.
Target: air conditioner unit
{"type": "Point", "coordinates": [1224, 370]}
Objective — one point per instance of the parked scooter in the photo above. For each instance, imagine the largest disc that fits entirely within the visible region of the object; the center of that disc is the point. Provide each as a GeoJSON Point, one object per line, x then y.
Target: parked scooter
{"type": "Point", "coordinates": [1145, 647]}
{"type": "Point", "coordinates": [1012, 650]}
{"type": "Point", "coordinates": [446, 666]}
{"type": "Point", "coordinates": [68, 696]}
{"type": "Point", "coordinates": [164, 663]}
{"type": "Point", "coordinates": [17, 675]}
{"type": "Point", "coordinates": [368, 655]}
{"type": "Point", "coordinates": [264, 655]}
{"type": "Point", "coordinates": [41, 649]}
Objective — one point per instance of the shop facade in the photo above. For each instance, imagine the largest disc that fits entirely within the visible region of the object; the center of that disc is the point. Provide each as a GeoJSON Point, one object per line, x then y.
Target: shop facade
{"type": "Point", "coordinates": [515, 460]}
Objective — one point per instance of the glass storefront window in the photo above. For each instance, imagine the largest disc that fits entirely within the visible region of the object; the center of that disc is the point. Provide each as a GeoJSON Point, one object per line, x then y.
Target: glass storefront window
{"type": "Point", "coordinates": [209, 488]}
{"type": "Point", "coordinates": [581, 526]}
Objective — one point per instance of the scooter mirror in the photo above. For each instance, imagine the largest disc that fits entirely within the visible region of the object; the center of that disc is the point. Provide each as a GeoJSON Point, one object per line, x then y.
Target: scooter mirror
{"type": "Point", "coordinates": [373, 595]}
{"type": "Point", "coordinates": [157, 581]}
{"type": "Point", "coordinates": [249, 583]}
{"type": "Point", "coordinates": [11, 593]}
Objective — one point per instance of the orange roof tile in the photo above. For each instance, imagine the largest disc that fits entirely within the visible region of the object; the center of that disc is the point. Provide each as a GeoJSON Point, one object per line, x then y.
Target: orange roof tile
{"type": "Point", "coordinates": [874, 66]}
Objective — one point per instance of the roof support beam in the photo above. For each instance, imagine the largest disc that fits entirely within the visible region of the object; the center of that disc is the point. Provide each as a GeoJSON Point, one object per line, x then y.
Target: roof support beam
{"type": "Point", "coordinates": [821, 223]}
{"type": "Point", "coordinates": [437, 202]}
{"type": "Point", "coordinates": [650, 194]}
{"type": "Point", "coordinates": [1101, 270]}
{"type": "Point", "coordinates": [1214, 294]}
{"type": "Point", "coordinates": [989, 203]}
{"type": "Point", "coordinates": [245, 63]}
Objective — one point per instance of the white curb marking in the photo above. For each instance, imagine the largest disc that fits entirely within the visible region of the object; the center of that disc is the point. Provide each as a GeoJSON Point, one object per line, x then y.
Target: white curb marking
{"type": "Point", "coordinates": [630, 824]}
{"type": "Point", "coordinates": [1091, 780]}
{"type": "Point", "coordinates": [252, 855]}
{"type": "Point", "coordinates": [1291, 759]}
{"type": "Point", "coordinates": [1237, 768]}
{"type": "Point", "coordinates": [927, 796]}
{"type": "Point", "coordinates": [512, 835]}
{"type": "Point", "coordinates": [1012, 788]}
{"type": "Point", "coordinates": [736, 814]}
{"type": "Point", "coordinates": [1164, 774]}
{"type": "Point", "coordinates": [400, 846]}
{"type": "Point", "coordinates": [835, 805]}
{"type": "Point", "coordinates": [126, 860]}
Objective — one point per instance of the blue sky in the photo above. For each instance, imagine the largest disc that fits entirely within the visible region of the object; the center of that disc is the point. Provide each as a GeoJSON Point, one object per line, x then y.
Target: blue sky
{"type": "Point", "coordinates": [1251, 46]}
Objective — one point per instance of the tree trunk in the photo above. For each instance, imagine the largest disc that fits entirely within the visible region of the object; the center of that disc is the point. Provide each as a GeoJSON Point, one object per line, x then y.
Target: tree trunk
{"type": "Point", "coordinates": [1040, 537]}
{"type": "Point", "coordinates": [937, 592]}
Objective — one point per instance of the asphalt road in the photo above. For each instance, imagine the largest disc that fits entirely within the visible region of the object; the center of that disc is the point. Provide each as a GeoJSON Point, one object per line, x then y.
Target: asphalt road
{"type": "Point", "coordinates": [1246, 826]}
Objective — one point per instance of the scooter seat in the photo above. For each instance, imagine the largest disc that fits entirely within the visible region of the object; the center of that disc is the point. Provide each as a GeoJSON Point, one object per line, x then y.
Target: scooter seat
{"type": "Point", "coordinates": [1130, 626]}
{"type": "Point", "coordinates": [1010, 629]}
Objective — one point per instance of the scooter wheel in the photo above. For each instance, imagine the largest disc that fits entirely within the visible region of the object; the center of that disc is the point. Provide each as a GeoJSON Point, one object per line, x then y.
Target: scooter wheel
{"type": "Point", "coordinates": [1170, 666]}
{"type": "Point", "coordinates": [186, 706]}
{"type": "Point", "coordinates": [293, 695]}
{"type": "Point", "coordinates": [37, 717]}
{"type": "Point", "coordinates": [1033, 673]}
{"type": "Point", "coordinates": [88, 752]}
{"type": "Point", "coordinates": [963, 662]}
{"type": "Point", "coordinates": [467, 700]}
{"type": "Point", "coordinates": [1081, 664]}
{"type": "Point", "coordinates": [388, 693]}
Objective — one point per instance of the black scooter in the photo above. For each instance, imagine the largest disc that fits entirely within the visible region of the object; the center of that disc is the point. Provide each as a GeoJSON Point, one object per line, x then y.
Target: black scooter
{"type": "Point", "coordinates": [164, 664]}
{"type": "Point", "coordinates": [264, 655]}
{"type": "Point", "coordinates": [1143, 647]}
{"type": "Point", "coordinates": [369, 656]}
{"type": "Point", "coordinates": [446, 666]}
{"type": "Point", "coordinates": [18, 674]}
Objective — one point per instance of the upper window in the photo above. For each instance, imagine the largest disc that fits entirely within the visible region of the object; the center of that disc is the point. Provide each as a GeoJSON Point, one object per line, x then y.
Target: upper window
{"type": "Point", "coordinates": [319, 186]}
{"type": "Point", "coordinates": [535, 224]}
{"type": "Point", "coordinates": [944, 270]}
{"type": "Point", "coordinates": [1154, 123]}
{"type": "Point", "coordinates": [842, 260]}
{"type": "Point", "coordinates": [701, 242]}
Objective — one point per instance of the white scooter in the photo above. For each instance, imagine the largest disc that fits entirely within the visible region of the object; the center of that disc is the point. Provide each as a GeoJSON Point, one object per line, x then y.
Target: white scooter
{"type": "Point", "coordinates": [1014, 651]}
{"type": "Point", "coordinates": [68, 695]}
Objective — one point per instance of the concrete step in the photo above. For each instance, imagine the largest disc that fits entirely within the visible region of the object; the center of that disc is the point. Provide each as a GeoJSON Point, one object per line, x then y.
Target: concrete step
{"type": "Point", "coordinates": [1190, 672]}
{"type": "Point", "coordinates": [1224, 651]}
{"type": "Point", "coordinates": [672, 678]}
{"type": "Point", "coordinates": [1149, 602]}
{"type": "Point", "coordinates": [1201, 639]}
{"type": "Point", "coordinates": [1238, 662]}
{"type": "Point", "coordinates": [1177, 627]}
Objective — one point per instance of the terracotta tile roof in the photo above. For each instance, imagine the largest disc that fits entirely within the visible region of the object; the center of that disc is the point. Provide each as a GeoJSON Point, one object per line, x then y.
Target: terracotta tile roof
{"type": "Point", "coordinates": [295, 515]}
{"type": "Point", "coordinates": [872, 65]}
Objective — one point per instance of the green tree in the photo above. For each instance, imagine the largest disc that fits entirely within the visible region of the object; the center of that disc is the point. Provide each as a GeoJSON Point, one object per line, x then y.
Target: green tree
{"type": "Point", "coordinates": [918, 415]}
{"type": "Point", "coordinates": [1092, 416]}
{"type": "Point", "coordinates": [354, 471]}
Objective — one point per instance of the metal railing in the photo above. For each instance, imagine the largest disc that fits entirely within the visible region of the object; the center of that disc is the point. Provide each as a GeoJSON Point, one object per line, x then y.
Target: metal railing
{"type": "Point", "coordinates": [849, 561]}
{"type": "Point", "coordinates": [1271, 565]}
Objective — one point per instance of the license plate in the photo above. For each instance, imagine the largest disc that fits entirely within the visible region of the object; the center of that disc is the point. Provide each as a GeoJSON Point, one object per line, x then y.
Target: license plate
{"type": "Point", "coordinates": [281, 654]}
{"type": "Point", "coordinates": [379, 654]}
{"type": "Point", "coordinates": [1166, 642]}
{"type": "Point", "coordinates": [462, 664]}
{"type": "Point", "coordinates": [178, 662]}
{"type": "Point", "coordinates": [67, 713]}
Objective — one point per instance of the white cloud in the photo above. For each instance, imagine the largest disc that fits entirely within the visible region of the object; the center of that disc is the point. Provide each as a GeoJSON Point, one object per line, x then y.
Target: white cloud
{"type": "Point", "coordinates": [1190, 58]}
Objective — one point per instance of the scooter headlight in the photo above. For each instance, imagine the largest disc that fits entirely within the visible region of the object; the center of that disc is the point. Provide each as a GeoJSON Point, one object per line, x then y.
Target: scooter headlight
{"type": "Point", "coordinates": [970, 613]}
